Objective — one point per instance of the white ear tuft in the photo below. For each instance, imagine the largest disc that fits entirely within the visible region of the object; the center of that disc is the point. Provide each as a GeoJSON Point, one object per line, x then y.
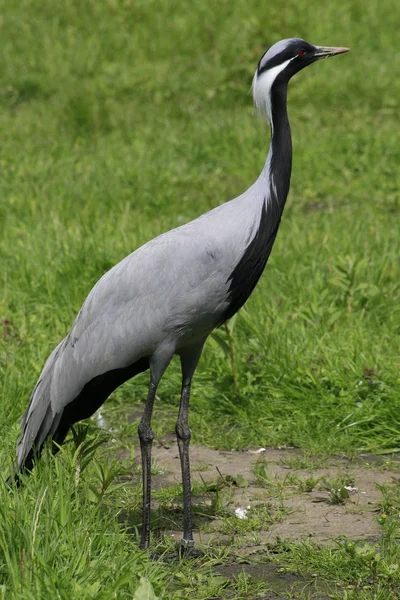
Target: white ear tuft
{"type": "Point", "coordinates": [261, 87]}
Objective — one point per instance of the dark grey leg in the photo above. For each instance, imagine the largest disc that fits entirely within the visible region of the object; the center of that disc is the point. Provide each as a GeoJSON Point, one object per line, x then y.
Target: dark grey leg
{"type": "Point", "coordinates": [189, 359]}
{"type": "Point", "coordinates": [183, 434]}
{"type": "Point", "coordinates": [146, 437]}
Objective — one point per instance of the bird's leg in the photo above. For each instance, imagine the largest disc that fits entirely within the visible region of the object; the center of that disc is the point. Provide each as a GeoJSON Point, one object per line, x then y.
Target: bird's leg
{"type": "Point", "coordinates": [146, 437]}
{"type": "Point", "coordinates": [183, 435]}
{"type": "Point", "coordinates": [189, 360]}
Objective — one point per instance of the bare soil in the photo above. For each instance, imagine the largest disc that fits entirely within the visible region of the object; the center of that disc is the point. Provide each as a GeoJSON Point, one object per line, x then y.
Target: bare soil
{"type": "Point", "coordinates": [296, 514]}
{"type": "Point", "coordinates": [305, 514]}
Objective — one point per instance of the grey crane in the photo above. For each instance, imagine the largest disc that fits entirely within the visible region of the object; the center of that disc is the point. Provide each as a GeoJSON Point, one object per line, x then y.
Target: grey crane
{"type": "Point", "coordinates": [166, 298]}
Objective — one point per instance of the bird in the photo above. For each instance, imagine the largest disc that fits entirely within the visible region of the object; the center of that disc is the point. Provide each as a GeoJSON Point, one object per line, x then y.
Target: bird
{"type": "Point", "coordinates": [167, 296]}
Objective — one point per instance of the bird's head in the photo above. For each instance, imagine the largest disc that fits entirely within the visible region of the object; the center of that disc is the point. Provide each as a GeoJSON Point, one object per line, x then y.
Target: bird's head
{"type": "Point", "coordinates": [283, 60]}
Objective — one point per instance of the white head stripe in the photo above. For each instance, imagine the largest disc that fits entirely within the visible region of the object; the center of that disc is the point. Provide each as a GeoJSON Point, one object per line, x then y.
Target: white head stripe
{"type": "Point", "coordinates": [262, 85]}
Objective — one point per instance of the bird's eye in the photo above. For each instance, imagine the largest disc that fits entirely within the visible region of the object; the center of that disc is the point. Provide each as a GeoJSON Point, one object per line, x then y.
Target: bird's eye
{"type": "Point", "coordinates": [301, 52]}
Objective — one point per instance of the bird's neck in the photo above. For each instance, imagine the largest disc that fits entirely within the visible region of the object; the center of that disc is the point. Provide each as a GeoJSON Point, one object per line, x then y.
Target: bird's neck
{"type": "Point", "coordinates": [279, 160]}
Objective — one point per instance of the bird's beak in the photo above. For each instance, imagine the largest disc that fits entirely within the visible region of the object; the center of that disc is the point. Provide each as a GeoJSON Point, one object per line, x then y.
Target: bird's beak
{"type": "Point", "coordinates": [325, 51]}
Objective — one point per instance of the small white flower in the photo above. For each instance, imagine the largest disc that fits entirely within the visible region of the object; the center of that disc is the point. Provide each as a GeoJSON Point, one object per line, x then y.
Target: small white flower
{"type": "Point", "coordinates": [241, 513]}
{"type": "Point", "coordinates": [351, 489]}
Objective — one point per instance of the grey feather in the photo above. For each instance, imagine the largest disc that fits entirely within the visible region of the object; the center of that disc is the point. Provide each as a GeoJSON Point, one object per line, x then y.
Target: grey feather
{"type": "Point", "coordinates": [170, 293]}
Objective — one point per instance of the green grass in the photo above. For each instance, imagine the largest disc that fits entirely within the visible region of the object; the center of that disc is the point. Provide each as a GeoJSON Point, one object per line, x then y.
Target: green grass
{"type": "Point", "coordinates": [121, 120]}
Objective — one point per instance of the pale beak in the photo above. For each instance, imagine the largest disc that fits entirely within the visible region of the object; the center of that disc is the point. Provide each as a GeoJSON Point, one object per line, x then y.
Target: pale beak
{"type": "Point", "coordinates": [325, 51]}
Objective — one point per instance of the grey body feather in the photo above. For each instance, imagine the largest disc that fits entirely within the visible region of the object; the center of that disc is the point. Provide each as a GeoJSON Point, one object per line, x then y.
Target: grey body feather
{"type": "Point", "coordinates": [162, 299]}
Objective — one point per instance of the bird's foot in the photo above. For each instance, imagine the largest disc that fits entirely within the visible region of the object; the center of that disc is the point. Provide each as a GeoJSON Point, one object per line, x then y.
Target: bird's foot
{"type": "Point", "coordinates": [186, 549]}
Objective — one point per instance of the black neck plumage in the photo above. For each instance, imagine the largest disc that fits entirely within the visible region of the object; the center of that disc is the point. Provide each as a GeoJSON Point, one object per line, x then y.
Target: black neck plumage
{"type": "Point", "coordinates": [250, 267]}
{"type": "Point", "coordinates": [280, 155]}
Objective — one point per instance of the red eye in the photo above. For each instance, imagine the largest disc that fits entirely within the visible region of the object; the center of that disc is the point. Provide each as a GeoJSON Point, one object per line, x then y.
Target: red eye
{"type": "Point", "coordinates": [301, 52]}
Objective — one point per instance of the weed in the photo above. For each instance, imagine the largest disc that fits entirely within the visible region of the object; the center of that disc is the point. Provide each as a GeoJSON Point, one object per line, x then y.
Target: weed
{"type": "Point", "coordinates": [337, 487]}
{"type": "Point", "coordinates": [303, 462]}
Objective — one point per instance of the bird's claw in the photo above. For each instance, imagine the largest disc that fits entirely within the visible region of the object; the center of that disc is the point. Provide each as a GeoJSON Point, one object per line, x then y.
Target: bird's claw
{"type": "Point", "coordinates": [186, 549]}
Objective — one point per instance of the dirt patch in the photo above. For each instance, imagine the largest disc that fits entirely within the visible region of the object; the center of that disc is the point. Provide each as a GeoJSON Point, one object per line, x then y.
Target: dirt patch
{"type": "Point", "coordinates": [281, 495]}
{"type": "Point", "coordinates": [304, 508]}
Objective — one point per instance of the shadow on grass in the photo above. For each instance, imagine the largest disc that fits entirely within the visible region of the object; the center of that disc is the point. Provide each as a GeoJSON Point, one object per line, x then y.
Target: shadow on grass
{"type": "Point", "coordinates": [279, 581]}
{"type": "Point", "coordinates": [166, 518]}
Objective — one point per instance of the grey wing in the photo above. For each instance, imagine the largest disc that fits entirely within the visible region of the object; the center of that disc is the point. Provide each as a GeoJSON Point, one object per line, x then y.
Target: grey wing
{"type": "Point", "coordinates": [128, 313]}
{"type": "Point", "coordinates": [39, 418]}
